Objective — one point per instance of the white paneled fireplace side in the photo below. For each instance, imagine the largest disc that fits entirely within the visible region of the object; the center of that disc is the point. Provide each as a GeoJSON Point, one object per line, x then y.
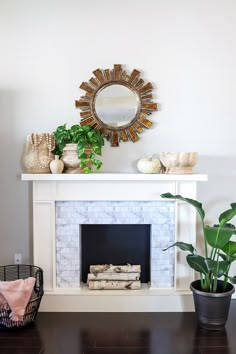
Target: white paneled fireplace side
{"type": "Point", "coordinates": [59, 200]}
{"type": "Point", "coordinates": [71, 215]}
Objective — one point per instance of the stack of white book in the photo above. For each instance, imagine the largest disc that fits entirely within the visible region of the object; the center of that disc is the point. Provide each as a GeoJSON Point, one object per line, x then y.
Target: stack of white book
{"type": "Point", "coordinates": [114, 277]}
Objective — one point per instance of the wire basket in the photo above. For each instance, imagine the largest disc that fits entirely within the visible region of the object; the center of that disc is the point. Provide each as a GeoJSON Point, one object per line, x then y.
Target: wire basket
{"type": "Point", "coordinates": [22, 271]}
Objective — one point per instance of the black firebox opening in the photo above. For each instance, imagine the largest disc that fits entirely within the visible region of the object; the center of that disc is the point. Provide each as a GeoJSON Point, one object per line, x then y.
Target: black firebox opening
{"type": "Point", "coordinates": [116, 244]}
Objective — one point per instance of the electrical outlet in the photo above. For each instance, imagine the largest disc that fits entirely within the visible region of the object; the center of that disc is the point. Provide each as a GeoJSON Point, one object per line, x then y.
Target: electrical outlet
{"type": "Point", "coordinates": [17, 258]}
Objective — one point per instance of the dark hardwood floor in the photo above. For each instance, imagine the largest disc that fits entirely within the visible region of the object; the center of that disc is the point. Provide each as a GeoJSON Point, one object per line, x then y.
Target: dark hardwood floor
{"type": "Point", "coordinates": [123, 333]}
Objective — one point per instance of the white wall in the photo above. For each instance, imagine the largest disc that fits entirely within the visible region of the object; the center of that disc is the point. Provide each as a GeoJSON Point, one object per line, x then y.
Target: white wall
{"type": "Point", "coordinates": [185, 48]}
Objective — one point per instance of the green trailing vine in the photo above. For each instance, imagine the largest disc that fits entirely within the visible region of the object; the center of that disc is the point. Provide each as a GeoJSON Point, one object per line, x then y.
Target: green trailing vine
{"type": "Point", "coordinates": [85, 137]}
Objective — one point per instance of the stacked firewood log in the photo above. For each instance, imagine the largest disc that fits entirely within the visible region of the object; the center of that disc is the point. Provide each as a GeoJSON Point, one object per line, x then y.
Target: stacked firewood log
{"type": "Point", "coordinates": [114, 277]}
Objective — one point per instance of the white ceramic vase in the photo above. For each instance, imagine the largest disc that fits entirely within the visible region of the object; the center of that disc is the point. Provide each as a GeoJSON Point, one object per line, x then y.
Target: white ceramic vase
{"type": "Point", "coordinates": [56, 165]}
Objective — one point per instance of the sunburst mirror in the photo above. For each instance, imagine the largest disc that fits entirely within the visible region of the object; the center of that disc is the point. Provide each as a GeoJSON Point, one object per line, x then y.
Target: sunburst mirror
{"type": "Point", "coordinates": [117, 104]}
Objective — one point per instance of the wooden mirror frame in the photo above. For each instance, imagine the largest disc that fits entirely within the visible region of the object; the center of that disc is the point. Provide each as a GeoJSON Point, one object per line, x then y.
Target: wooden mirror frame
{"type": "Point", "coordinates": [105, 78]}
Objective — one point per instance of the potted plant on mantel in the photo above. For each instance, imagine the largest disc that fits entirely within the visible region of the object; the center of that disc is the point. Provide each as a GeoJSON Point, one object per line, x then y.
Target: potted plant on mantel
{"type": "Point", "coordinates": [78, 147]}
{"type": "Point", "coordinates": [212, 292]}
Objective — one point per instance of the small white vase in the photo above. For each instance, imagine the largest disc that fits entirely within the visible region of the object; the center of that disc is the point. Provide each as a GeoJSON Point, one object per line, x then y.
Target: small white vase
{"type": "Point", "coordinates": [56, 165]}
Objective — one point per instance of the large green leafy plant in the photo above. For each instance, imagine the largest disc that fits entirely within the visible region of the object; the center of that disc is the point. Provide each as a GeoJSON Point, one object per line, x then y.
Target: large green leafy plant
{"type": "Point", "coordinates": [85, 137]}
{"type": "Point", "coordinates": [219, 249]}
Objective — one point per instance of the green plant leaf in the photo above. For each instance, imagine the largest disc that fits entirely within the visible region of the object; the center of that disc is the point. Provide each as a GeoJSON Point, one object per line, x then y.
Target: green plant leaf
{"type": "Point", "coordinates": [217, 237]}
{"type": "Point", "coordinates": [81, 142]}
{"type": "Point", "coordinates": [81, 147]}
{"type": "Point", "coordinates": [228, 225]}
{"type": "Point", "coordinates": [57, 151]}
{"type": "Point", "coordinates": [82, 155]}
{"type": "Point", "coordinates": [62, 137]}
{"type": "Point", "coordinates": [197, 263]}
{"type": "Point", "coordinates": [227, 258]}
{"type": "Point", "coordinates": [233, 206]}
{"type": "Point", "coordinates": [83, 162]}
{"type": "Point", "coordinates": [98, 164]}
{"type": "Point", "coordinates": [86, 128]}
{"type": "Point", "coordinates": [97, 149]}
{"type": "Point", "coordinates": [192, 202]}
{"type": "Point", "coordinates": [183, 246]}
{"type": "Point", "coordinates": [222, 255]}
{"type": "Point", "coordinates": [91, 136]}
{"type": "Point", "coordinates": [87, 170]}
{"type": "Point", "coordinates": [227, 216]}
{"type": "Point", "coordinates": [231, 279]}
{"type": "Point", "coordinates": [229, 248]}
{"type": "Point", "coordinates": [217, 268]}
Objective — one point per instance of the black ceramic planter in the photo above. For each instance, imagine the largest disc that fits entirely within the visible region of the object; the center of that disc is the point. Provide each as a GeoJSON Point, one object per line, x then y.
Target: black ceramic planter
{"type": "Point", "coordinates": [212, 309]}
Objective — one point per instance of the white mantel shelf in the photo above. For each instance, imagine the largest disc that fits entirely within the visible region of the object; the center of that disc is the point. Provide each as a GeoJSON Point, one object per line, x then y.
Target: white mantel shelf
{"type": "Point", "coordinates": [113, 177]}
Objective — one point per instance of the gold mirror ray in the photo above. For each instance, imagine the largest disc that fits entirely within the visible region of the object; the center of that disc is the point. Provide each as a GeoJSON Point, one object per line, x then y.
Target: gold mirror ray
{"type": "Point", "coordinates": [117, 103]}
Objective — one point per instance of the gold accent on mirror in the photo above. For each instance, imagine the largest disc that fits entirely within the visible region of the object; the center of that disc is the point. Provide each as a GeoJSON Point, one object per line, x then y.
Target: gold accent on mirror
{"type": "Point", "coordinates": [117, 104]}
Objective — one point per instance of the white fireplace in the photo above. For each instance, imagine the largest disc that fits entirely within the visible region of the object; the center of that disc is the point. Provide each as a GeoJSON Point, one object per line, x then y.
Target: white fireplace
{"type": "Point", "coordinates": [62, 203]}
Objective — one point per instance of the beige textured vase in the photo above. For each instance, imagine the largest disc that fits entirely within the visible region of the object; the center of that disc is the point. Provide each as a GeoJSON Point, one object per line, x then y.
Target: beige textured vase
{"type": "Point", "coordinates": [56, 165]}
{"type": "Point", "coordinates": [38, 153]}
{"type": "Point", "coordinates": [71, 160]}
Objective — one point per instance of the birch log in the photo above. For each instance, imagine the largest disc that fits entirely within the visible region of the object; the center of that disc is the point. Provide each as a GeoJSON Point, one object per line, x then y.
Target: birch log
{"type": "Point", "coordinates": [113, 285]}
{"type": "Point", "coordinates": [114, 276]}
{"type": "Point", "coordinates": [109, 268]}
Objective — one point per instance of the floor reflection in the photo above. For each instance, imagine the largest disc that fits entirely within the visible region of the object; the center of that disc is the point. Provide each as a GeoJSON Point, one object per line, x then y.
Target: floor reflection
{"type": "Point", "coordinates": [27, 340]}
{"type": "Point", "coordinates": [123, 333]}
{"type": "Point", "coordinates": [121, 339]}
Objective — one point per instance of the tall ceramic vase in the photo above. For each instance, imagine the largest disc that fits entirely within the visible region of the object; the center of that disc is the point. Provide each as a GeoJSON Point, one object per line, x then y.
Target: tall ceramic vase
{"type": "Point", "coordinates": [56, 165]}
{"type": "Point", "coordinates": [38, 153]}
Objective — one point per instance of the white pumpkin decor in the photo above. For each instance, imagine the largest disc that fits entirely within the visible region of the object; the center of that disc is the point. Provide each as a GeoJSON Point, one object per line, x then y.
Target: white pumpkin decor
{"type": "Point", "coordinates": [149, 165]}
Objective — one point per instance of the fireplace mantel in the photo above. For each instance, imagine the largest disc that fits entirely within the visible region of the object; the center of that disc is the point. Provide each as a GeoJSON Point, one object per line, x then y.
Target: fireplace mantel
{"type": "Point", "coordinates": [51, 188]}
{"type": "Point", "coordinates": [113, 177]}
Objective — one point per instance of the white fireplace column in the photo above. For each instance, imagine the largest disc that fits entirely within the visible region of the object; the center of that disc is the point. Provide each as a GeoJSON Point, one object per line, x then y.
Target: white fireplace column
{"type": "Point", "coordinates": [50, 190]}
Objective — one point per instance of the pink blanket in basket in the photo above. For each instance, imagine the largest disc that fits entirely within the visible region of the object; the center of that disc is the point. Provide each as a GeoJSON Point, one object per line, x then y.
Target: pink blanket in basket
{"type": "Point", "coordinates": [16, 294]}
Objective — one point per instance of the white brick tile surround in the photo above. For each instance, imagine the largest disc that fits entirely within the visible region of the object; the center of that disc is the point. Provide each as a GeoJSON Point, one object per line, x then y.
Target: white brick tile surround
{"type": "Point", "coordinates": [70, 215]}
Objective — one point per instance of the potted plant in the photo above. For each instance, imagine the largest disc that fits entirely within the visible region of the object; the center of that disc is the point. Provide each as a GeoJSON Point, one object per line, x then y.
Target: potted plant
{"type": "Point", "coordinates": [212, 292]}
{"type": "Point", "coordinates": [87, 143]}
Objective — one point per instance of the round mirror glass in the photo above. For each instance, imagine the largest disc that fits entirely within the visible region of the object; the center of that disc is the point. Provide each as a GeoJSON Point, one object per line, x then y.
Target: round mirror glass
{"type": "Point", "coordinates": [116, 105]}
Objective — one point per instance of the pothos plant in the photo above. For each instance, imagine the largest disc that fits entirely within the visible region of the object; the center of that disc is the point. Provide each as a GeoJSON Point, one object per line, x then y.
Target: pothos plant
{"type": "Point", "coordinates": [85, 137]}
{"type": "Point", "coordinates": [219, 249]}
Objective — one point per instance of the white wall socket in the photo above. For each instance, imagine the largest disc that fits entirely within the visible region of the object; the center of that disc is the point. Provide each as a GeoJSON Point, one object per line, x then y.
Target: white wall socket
{"type": "Point", "coordinates": [18, 258]}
